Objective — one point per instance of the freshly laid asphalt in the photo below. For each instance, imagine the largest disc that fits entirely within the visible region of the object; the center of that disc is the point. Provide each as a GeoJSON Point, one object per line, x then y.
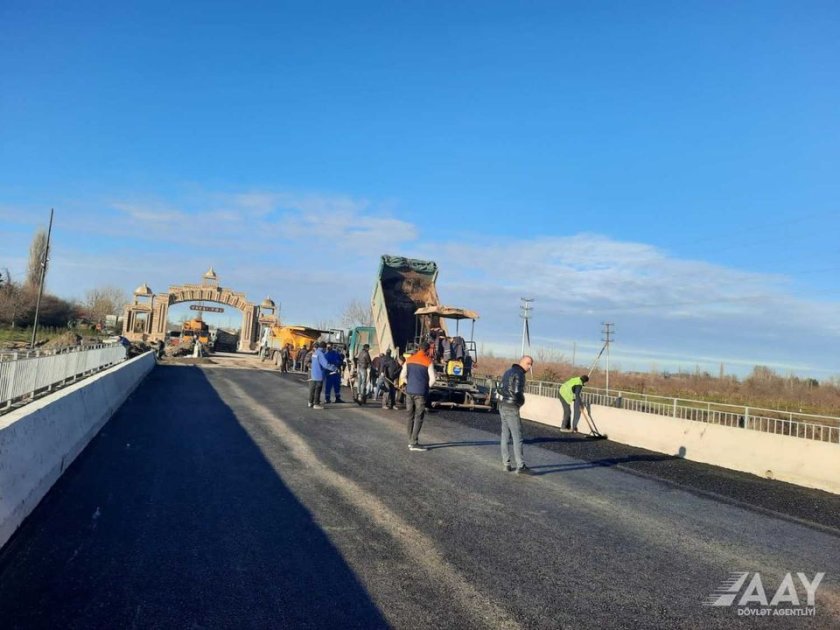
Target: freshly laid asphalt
{"type": "Point", "coordinates": [215, 498]}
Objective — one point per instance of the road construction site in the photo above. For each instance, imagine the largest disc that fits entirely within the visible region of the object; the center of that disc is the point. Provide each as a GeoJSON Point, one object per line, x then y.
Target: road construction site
{"type": "Point", "coordinates": [201, 491]}
{"type": "Point", "coordinates": [215, 498]}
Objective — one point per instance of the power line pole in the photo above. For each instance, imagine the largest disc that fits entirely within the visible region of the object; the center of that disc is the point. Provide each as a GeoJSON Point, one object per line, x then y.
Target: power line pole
{"type": "Point", "coordinates": [608, 333]}
{"type": "Point", "coordinates": [44, 259]}
{"type": "Point", "coordinates": [574, 353]}
{"type": "Point", "coordinates": [525, 308]}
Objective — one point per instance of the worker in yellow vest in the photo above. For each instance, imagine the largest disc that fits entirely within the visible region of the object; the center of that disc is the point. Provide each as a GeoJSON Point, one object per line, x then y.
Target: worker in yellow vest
{"type": "Point", "coordinates": [570, 399]}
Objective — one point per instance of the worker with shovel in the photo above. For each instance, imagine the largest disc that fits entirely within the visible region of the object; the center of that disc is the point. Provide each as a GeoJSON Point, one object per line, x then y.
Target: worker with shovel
{"type": "Point", "coordinates": [570, 399]}
{"type": "Point", "coordinates": [390, 371]}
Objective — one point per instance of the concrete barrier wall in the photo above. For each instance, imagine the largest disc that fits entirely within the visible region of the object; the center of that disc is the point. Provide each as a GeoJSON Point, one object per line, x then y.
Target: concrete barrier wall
{"type": "Point", "coordinates": [795, 460]}
{"type": "Point", "coordinates": [38, 441]}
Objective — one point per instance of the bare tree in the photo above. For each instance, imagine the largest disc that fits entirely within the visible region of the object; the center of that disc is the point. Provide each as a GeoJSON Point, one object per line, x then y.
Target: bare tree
{"type": "Point", "coordinates": [8, 310]}
{"type": "Point", "coordinates": [13, 301]}
{"type": "Point", "coordinates": [323, 324]}
{"type": "Point", "coordinates": [56, 312]}
{"type": "Point", "coordinates": [104, 301]}
{"type": "Point", "coordinates": [37, 250]}
{"type": "Point", "coordinates": [549, 355]}
{"type": "Point", "coordinates": [356, 314]}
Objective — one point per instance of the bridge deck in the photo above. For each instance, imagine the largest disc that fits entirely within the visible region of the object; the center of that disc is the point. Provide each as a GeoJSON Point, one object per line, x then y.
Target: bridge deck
{"type": "Point", "coordinates": [215, 498]}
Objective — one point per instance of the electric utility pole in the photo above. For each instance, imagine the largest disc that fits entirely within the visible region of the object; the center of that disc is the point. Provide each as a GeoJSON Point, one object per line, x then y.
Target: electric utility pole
{"type": "Point", "coordinates": [608, 332]}
{"type": "Point", "coordinates": [44, 259]}
{"type": "Point", "coordinates": [525, 308]}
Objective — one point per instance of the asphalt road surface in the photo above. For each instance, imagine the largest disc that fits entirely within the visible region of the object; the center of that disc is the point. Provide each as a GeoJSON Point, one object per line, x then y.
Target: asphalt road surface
{"type": "Point", "coordinates": [216, 499]}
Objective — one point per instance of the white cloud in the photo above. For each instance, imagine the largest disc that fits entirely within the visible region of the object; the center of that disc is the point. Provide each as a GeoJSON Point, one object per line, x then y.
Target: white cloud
{"type": "Point", "coordinates": [341, 222]}
{"type": "Point", "coordinates": [314, 252]}
{"type": "Point", "coordinates": [256, 222]}
{"type": "Point", "coordinates": [672, 307]}
{"type": "Point", "coordinates": [154, 214]}
{"type": "Point", "coordinates": [593, 271]}
{"type": "Point", "coordinates": [258, 203]}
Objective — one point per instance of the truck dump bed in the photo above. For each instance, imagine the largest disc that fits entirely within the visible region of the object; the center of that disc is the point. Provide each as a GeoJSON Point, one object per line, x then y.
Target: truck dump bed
{"type": "Point", "coordinates": [403, 286]}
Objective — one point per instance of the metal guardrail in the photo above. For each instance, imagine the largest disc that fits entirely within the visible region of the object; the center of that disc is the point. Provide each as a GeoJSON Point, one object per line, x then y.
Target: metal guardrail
{"type": "Point", "coordinates": [23, 375]}
{"type": "Point", "coordinates": [800, 425]}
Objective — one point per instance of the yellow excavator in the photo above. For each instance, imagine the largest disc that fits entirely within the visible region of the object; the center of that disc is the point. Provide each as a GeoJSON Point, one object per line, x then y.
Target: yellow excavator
{"type": "Point", "coordinates": [195, 329]}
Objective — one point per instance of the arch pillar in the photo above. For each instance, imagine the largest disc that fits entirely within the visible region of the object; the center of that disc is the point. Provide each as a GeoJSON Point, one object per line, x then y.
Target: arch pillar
{"type": "Point", "coordinates": [248, 336]}
{"type": "Point", "coordinates": [138, 316]}
{"type": "Point", "coordinates": [160, 315]}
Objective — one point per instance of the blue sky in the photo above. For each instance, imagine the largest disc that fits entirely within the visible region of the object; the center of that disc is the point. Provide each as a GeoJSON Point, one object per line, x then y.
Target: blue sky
{"type": "Point", "coordinates": [672, 167]}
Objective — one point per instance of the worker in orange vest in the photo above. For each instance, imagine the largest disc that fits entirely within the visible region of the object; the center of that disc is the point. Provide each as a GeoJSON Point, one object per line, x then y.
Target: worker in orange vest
{"type": "Point", "coordinates": [418, 374]}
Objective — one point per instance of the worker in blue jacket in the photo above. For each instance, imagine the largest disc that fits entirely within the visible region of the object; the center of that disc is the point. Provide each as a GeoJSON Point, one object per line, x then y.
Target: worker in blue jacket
{"type": "Point", "coordinates": [333, 379]}
{"type": "Point", "coordinates": [320, 369]}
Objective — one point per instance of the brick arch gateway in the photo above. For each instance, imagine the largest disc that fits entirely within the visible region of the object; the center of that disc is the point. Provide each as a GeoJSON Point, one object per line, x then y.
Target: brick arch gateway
{"type": "Point", "coordinates": [146, 318]}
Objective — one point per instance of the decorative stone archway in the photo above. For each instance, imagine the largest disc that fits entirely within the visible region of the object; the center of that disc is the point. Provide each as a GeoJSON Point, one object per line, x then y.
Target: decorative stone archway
{"type": "Point", "coordinates": [147, 320]}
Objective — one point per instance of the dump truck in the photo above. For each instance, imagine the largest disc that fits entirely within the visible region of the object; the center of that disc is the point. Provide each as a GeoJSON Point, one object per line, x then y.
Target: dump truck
{"type": "Point", "coordinates": [406, 311]}
{"type": "Point", "coordinates": [276, 337]}
{"type": "Point", "coordinates": [356, 338]}
{"type": "Point", "coordinates": [226, 340]}
{"type": "Point", "coordinates": [403, 285]}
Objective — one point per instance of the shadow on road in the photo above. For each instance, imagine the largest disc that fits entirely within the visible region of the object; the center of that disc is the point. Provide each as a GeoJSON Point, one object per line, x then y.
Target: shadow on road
{"type": "Point", "coordinates": [567, 439]}
{"type": "Point", "coordinates": [537, 440]}
{"type": "Point", "coordinates": [173, 517]}
{"type": "Point", "coordinates": [547, 469]}
{"type": "Point", "coordinates": [467, 443]}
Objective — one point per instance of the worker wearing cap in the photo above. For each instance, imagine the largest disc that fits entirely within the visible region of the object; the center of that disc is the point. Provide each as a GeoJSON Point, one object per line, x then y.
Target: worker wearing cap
{"type": "Point", "coordinates": [418, 373]}
{"type": "Point", "coordinates": [569, 398]}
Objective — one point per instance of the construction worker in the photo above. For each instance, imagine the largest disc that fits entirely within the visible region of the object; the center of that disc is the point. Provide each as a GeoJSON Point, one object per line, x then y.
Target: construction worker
{"type": "Point", "coordinates": [418, 373]}
{"type": "Point", "coordinates": [301, 353]}
{"type": "Point", "coordinates": [320, 369]}
{"type": "Point", "coordinates": [333, 379]}
{"type": "Point", "coordinates": [390, 370]}
{"type": "Point", "coordinates": [264, 343]}
{"type": "Point", "coordinates": [376, 378]}
{"type": "Point", "coordinates": [569, 397]}
{"type": "Point", "coordinates": [511, 396]}
{"type": "Point", "coordinates": [284, 358]}
{"type": "Point", "coordinates": [401, 377]}
{"type": "Point", "coordinates": [363, 364]}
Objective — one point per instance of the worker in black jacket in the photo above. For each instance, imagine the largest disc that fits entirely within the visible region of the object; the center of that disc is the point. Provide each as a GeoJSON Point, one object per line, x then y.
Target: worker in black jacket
{"type": "Point", "coordinates": [510, 397]}
{"type": "Point", "coordinates": [391, 374]}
